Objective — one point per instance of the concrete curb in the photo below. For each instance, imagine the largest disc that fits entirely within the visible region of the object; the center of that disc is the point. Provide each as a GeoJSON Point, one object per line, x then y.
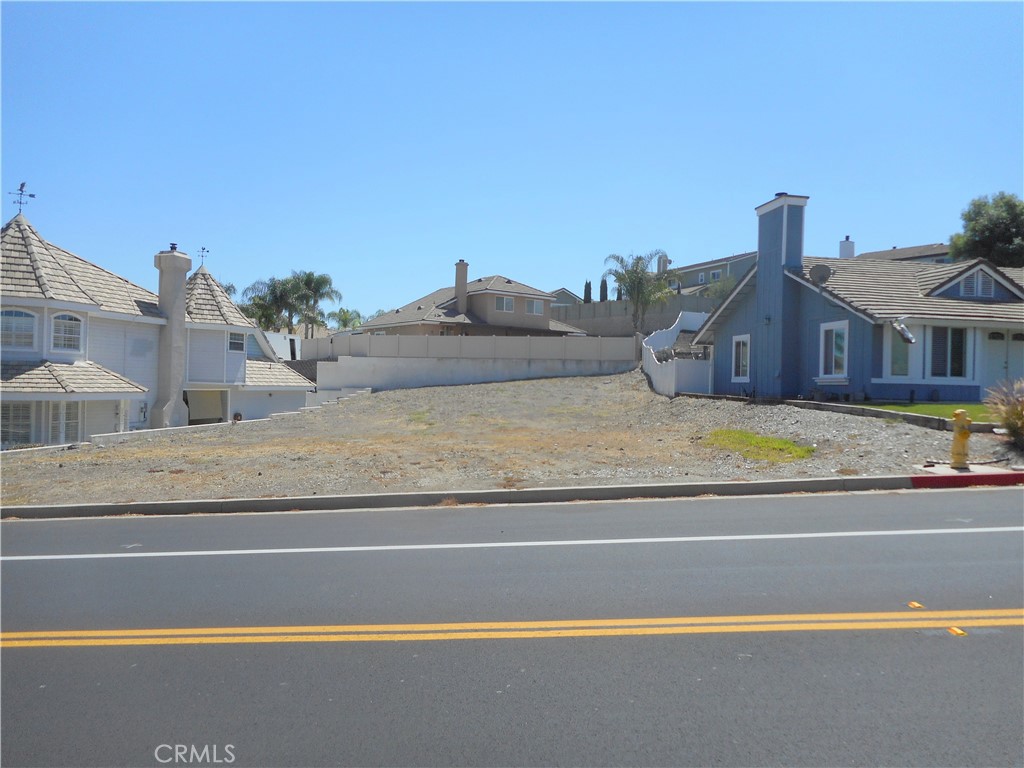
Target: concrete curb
{"type": "Point", "coordinates": [511, 496]}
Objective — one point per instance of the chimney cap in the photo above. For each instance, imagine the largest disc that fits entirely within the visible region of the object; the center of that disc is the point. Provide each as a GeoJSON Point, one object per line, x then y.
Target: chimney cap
{"type": "Point", "coordinates": [847, 237]}
{"type": "Point", "coordinates": [781, 194]}
{"type": "Point", "coordinates": [174, 246]}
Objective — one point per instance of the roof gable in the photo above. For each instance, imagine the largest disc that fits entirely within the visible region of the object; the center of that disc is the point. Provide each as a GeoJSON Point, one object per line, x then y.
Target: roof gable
{"type": "Point", "coordinates": [975, 280]}
{"type": "Point", "coordinates": [206, 301]}
{"type": "Point", "coordinates": [31, 268]}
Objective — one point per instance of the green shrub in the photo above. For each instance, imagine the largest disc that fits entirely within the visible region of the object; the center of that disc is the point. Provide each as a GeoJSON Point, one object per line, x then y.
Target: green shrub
{"type": "Point", "coordinates": [1006, 402]}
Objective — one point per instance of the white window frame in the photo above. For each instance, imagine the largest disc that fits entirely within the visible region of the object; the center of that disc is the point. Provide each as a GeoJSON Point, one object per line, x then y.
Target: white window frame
{"type": "Point", "coordinates": [10, 319]}
{"type": "Point", "coordinates": [63, 323]}
{"type": "Point", "coordinates": [504, 304]}
{"type": "Point", "coordinates": [894, 340]}
{"type": "Point", "coordinates": [236, 338]}
{"type": "Point", "coordinates": [62, 416]}
{"type": "Point", "coordinates": [948, 366]}
{"type": "Point", "coordinates": [701, 279]}
{"type": "Point", "coordinates": [534, 307]}
{"type": "Point", "coordinates": [833, 330]}
{"type": "Point", "coordinates": [16, 418]}
{"type": "Point", "coordinates": [744, 375]}
{"type": "Point", "coordinates": [716, 275]}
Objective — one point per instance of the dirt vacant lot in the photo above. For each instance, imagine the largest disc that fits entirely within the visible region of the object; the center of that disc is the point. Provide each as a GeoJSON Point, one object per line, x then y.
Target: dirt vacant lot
{"type": "Point", "coordinates": [552, 432]}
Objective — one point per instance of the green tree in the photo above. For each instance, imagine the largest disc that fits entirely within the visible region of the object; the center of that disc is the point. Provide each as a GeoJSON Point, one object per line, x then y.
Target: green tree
{"type": "Point", "coordinates": [604, 289]}
{"type": "Point", "coordinates": [993, 230]}
{"type": "Point", "coordinates": [587, 293]}
{"type": "Point", "coordinates": [345, 318]}
{"type": "Point", "coordinates": [275, 300]}
{"type": "Point", "coordinates": [719, 289]}
{"type": "Point", "coordinates": [641, 287]}
{"type": "Point", "coordinates": [311, 290]}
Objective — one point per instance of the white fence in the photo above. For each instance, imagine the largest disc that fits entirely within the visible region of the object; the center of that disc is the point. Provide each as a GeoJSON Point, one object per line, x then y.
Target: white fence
{"type": "Point", "coordinates": [675, 376]}
{"type": "Point", "coordinates": [399, 362]}
{"type": "Point", "coordinates": [593, 348]}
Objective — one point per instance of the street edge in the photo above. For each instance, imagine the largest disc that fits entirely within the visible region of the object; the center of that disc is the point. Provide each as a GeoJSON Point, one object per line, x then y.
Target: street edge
{"type": "Point", "coordinates": [509, 496]}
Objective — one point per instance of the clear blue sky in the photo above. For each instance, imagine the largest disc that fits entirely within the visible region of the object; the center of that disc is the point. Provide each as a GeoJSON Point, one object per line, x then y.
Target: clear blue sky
{"type": "Point", "coordinates": [382, 142]}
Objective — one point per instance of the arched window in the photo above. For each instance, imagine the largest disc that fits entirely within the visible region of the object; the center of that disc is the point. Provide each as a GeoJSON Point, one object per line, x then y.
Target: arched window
{"type": "Point", "coordinates": [67, 332]}
{"type": "Point", "coordinates": [17, 329]}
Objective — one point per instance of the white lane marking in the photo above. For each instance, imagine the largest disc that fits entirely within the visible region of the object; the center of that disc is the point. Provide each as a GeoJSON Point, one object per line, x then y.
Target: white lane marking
{"type": "Point", "coordinates": [509, 544]}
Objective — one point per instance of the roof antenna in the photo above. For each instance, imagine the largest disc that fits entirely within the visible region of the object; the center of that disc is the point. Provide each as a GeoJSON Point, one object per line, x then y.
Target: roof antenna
{"type": "Point", "coordinates": [202, 256]}
{"type": "Point", "coordinates": [22, 194]}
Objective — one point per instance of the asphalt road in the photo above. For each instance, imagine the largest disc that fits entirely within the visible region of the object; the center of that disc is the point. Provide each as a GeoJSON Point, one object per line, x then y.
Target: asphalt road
{"type": "Point", "coordinates": [759, 631]}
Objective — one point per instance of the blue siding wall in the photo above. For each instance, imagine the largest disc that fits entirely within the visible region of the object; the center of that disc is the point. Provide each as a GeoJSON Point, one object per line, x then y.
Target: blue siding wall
{"type": "Point", "coordinates": [740, 321]}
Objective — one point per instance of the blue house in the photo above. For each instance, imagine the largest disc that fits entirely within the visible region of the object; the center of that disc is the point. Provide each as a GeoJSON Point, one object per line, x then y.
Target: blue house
{"type": "Point", "coordinates": [856, 329]}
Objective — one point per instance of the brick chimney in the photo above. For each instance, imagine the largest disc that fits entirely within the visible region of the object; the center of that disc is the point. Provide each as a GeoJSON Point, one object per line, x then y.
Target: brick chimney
{"type": "Point", "coordinates": [170, 409]}
{"type": "Point", "coordinates": [461, 279]}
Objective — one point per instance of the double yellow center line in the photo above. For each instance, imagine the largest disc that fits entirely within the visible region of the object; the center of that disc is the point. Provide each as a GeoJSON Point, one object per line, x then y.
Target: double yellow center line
{"type": "Point", "coordinates": [953, 621]}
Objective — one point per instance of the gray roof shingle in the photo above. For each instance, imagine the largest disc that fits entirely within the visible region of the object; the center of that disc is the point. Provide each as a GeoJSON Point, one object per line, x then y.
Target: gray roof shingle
{"type": "Point", "coordinates": [32, 268]}
{"type": "Point", "coordinates": [45, 377]}
{"type": "Point", "coordinates": [206, 301]}
{"type": "Point", "coordinates": [265, 374]}
{"type": "Point", "coordinates": [887, 289]}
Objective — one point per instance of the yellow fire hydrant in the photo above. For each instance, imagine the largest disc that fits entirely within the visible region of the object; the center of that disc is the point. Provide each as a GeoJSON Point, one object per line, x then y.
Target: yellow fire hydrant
{"type": "Point", "coordinates": [961, 432]}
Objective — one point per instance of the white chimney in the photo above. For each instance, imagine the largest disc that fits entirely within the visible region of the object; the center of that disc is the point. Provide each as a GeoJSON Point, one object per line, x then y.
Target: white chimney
{"type": "Point", "coordinates": [170, 409]}
{"type": "Point", "coordinates": [846, 248]}
{"type": "Point", "coordinates": [461, 279]}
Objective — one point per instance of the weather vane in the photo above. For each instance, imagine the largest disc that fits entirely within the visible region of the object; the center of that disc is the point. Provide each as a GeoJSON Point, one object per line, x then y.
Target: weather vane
{"type": "Point", "coordinates": [22, 194]}
{"type": "Point", "coordinates": [202, 256]}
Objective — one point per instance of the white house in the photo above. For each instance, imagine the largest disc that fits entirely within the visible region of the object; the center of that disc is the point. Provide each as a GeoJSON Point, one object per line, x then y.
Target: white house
{"type": "Point", "coordinates": [84, 351]}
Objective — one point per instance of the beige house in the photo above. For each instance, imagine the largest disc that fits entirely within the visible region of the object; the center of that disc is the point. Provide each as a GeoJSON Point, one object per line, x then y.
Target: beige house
{"type": "Point", "coordinates": [85, 352]}
{"type": "Point", "coordinates": [487, 306]}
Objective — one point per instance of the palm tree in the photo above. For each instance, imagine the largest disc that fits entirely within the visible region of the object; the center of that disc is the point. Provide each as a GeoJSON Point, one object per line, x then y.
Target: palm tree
{"type": "Point", "coordinates": [345, 318]}
{"type": "Point", "coordinates": [275, 301]}
{"type": "Point", "coordinates": [638, 284]}
{"type": "Point", "coordinates": [312, 289]}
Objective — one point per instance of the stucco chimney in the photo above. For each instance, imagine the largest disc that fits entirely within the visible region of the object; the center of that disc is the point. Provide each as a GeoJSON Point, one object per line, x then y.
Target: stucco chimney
{"type": "Point", "coordinates": [846, 249]}
{"type": "Point", "coordinates": [461, 279]}
{"type": "Point", "coordinates": [170, 409]}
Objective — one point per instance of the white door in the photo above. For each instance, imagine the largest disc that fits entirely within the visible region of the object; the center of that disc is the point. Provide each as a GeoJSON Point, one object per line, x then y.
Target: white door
{"type": "Point", "coordinates": [1004, 358]}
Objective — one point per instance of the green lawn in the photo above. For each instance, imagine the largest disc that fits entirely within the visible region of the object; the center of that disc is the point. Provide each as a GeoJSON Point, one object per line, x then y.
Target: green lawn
{"type": "Point", "coordinates": [977, 411]}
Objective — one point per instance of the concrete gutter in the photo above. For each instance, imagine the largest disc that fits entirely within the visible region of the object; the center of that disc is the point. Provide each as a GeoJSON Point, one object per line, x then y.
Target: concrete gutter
{"type": "Point", "coordinates": [515, 496]}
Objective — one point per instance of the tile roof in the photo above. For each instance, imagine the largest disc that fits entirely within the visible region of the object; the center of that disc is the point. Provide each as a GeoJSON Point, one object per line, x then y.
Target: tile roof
{"type": "Point", "coordinates": [265, 374]}
{"type": "Point", "coordinates": [903, 254]}
{"type": "Point", "coordinates": [44, 377]}
{"type": "Point", "coordinates": [32, 268]}
{"type": "Point", "coordinates": [439, 306]}
{"type": "Point", "coordinates": [206, 301]}
{"type": "Point", "coordinates": [713, 262]}
{"type": "Point", "coordinates": [887, 289]}
{"type": "Point", "coordinates": [305, 367]}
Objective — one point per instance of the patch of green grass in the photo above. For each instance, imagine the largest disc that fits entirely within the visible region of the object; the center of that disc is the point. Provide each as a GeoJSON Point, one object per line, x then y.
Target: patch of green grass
{"type": "Point", "coordinates": [754, 446]}
{"type": "Point", "coordinates": [977, 411]}
{"type": "Point", "coordinates": [422, 418]}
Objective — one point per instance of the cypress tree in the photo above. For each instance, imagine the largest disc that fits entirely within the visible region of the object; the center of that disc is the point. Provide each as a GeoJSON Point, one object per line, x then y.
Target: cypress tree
{"type": "Point", "coordinates": [587, 297]}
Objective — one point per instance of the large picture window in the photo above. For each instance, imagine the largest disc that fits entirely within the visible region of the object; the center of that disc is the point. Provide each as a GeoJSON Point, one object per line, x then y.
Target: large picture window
{"type": "Point", "coordinates": [67, 332]}
{"type": "Point", "coordinates": [833, 349]}
{"type": "Point", "coordinates": [949, 352]}
{"type": "Point", "coordinates": [17, 329]}
{"type": "Point", "coordinates": [741, 358]}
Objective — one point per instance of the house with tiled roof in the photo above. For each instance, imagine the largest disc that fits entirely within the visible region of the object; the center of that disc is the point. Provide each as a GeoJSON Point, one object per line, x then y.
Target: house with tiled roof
{"type": "Point", "coordinates": [935, 253]}
{"type": "Point", "coordinates": [857, 328]}
{"type": "Point", "coordinates": [84, 351]}
{"type": "Point", "coordinates": [487, 306]}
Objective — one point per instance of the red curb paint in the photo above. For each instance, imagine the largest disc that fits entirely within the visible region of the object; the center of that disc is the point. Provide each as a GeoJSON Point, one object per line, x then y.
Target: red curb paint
{"type": "Point", "coordinates": [966, 480]}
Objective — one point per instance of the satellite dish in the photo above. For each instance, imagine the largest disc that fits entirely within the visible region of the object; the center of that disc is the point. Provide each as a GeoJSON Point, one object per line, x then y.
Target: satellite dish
{"type": "Point", "coordinates": [820, 273]}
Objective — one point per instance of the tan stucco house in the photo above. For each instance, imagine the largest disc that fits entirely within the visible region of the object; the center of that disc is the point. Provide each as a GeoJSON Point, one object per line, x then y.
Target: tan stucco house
{"type": "Point", "coordinates": [487, 306]}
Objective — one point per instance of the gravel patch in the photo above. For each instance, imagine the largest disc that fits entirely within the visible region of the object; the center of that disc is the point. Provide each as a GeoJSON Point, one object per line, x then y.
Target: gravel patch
{"type": "Point", "coordinates": [604, 430]}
